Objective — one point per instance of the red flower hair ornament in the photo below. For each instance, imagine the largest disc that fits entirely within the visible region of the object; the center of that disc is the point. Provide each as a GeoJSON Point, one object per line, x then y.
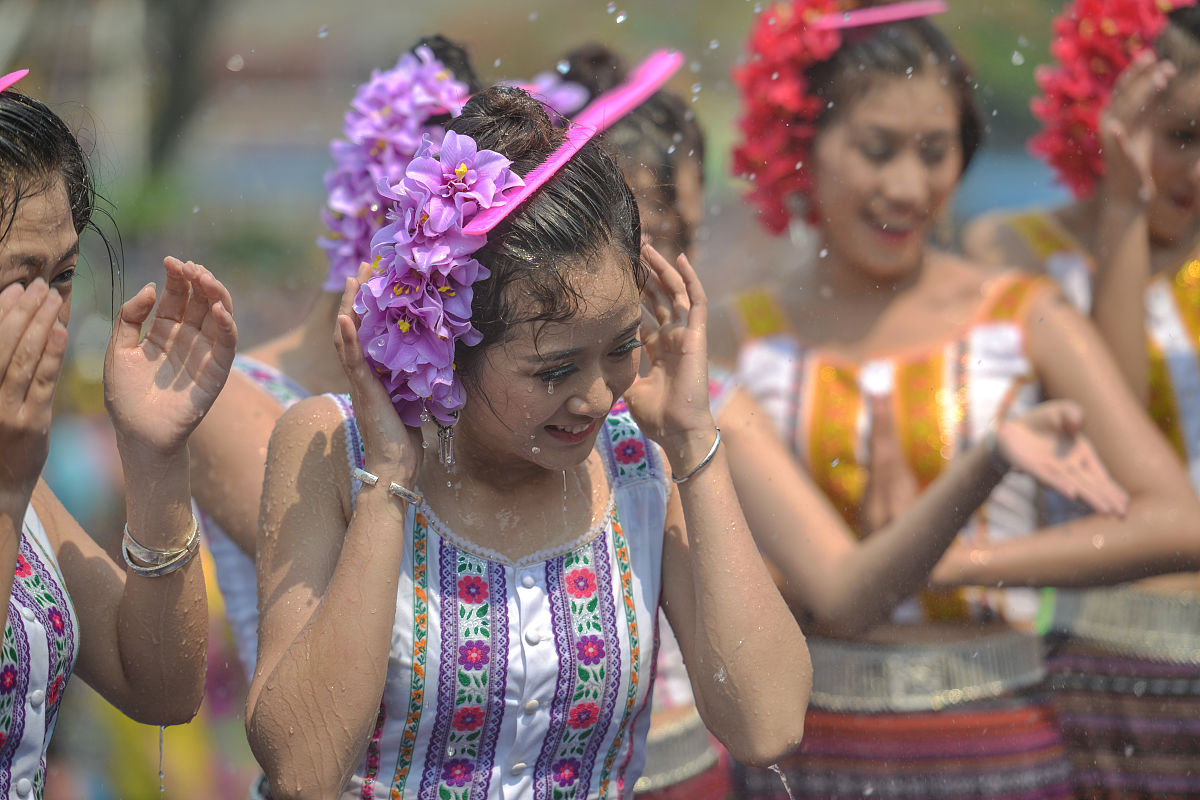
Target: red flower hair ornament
{"type": "Point", "coordinates": [780, 110]}
{"type": "Point", "coordinates": [1094, 40]}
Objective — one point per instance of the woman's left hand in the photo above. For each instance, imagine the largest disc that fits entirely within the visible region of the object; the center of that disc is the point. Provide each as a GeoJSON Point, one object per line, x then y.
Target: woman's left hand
{"type": "Point", "coordinates": [669, 400]}
{"type": "Point", "coordinates": [157, 388]}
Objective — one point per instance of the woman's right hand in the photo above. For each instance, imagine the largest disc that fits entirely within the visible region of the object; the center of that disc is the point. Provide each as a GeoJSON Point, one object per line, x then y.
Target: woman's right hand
{"type": "Point", "coordinates": [392, 449]}
{"type": "Point", "coordinates": [33, 342]}
{"type": "Point", "coordinates": [1048, 444]}
{"type": "Point", "coordinates": [1126, 133]}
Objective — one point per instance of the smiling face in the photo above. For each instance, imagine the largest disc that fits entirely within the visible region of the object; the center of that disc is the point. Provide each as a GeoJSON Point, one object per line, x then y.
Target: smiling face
{"type": "Point", "coordinates": [1174, 210]}
{"type": "Point", "coordinates": [42, 243]}
{"type": "Point", "coordinates": [539, 397]}
{"type": "Point", "coordinates": [885, 169]}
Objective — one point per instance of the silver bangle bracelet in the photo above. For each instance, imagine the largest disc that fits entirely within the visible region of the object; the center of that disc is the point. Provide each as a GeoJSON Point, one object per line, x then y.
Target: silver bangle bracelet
{"type": "Point", "coordinates": [704, 461]}
{"type": "Point", "coordinates": [156, 563]}
{"type": "Point", "coordinates": [395, 489]}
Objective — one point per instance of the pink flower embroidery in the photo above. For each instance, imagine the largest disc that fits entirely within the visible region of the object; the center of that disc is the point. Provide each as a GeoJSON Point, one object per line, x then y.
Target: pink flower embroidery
{"type": "Point", "coordinates": [23, 568]}
{"type": "Point", "coordinates": [629, 451]}
{"type": "Point", "coordinates": [8, 679]}
{"type": "Point", "coordinates": [468, 718]}
{"type": "Point", "coordinates": [55, 690]}
{"type": "Point", "coordinates": [472, 589]}
{"type": "Point", "coordinates": [56, 621]}
{"type": "Point", "coordinates": [583, 715]}
{"type": "Point", "coordinates": [581, 583]}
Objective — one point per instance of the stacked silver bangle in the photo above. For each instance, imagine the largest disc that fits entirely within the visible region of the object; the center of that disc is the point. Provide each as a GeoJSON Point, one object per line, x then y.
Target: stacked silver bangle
{"type": "Point", "coordinates": [151, 563]}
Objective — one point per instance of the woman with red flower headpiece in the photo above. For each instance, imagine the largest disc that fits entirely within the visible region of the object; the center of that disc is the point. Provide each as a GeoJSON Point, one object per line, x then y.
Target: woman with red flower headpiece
{"type": "Point", "coordinates": [1119, 109]}
{"type": "Point", "coordinates": [885, 364]}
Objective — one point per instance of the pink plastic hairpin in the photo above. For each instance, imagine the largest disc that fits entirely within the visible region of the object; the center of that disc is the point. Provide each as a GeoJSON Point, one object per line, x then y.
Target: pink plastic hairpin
{"type": "Point", "coordinates": [602, 112]}
{"type": "Point", "coordinates": [11, 78]}
{"type": "Point", "coordinates": [880, 15]}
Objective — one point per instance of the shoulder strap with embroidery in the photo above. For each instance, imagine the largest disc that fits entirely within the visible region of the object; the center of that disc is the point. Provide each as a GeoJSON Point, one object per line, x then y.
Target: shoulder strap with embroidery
{"type": "Point", "coordinates": [755, 313]}
{"type": "Point", "coordinates": [354, 442]}
{"type": "Point", "coordinates": [279, 386]}
{"type": "Point", "coordinates": [1010, 303]}
{"type": "Point", "coordinates": [629, 455]}
{"type": "Point", "coordinates": [1042, 234]}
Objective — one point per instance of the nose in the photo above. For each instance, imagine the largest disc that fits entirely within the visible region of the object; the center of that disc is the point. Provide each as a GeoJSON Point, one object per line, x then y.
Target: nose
{"type": "Point", "coordinates": [593, 398]}
{"type": "Point", "coordinates": [906, 181]}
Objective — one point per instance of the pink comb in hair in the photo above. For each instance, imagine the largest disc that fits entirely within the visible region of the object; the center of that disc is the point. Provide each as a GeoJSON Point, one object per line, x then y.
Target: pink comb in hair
{"type": "Point", "coordinates": [880, 15]}
{"type": "Point", "coordinates": [602, 112]}
{"type": "Point", "coordinates": [11, 78]}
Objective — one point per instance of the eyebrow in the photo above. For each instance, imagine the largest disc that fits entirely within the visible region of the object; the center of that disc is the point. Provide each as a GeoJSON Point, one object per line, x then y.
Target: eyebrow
{"type": "Point", "coordinates": [39, 262]}
{"type": "Point", "coordinates": [559, 355]}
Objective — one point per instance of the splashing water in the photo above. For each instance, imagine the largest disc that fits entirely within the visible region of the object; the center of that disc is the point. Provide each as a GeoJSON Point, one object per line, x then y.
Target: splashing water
{"type": "Point", "coordinates": [622, 17]}
{"type": "Point", "coordinates": [162, 784]}
{"type": "Point", "coordinates": [721, 675]}
{"type": "Point", "coordinates": [322, 32]}
{"type": "Point", "coordinates": [782, 779]}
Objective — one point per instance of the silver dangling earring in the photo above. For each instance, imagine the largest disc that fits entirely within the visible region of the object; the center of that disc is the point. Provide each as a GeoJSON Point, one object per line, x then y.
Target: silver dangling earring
{"type": "Point", "coordinates": [446, 444]}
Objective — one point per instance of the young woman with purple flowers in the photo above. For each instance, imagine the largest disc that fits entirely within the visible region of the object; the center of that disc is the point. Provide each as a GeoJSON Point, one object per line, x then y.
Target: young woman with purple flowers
{"type": "Point", "coordinates": [503, 605]}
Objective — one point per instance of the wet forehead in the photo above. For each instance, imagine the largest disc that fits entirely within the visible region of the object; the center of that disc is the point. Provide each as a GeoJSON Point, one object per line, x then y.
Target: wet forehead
{"type": "Point", "coordinates": [916, 105]}
{"type": "Point", "coordinates": [42, 233]}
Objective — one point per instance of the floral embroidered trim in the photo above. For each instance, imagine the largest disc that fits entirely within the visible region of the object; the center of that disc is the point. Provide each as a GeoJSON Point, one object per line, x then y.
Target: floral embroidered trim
{"type": "Point", "coordinates": [583, 618]}
{"type": "Point", "coordinates": [621, 549]}
{"type": "Point", "coordinates": [371, 763]}
{"type": "Point", "coordinates": [472, 677]}
{"type": "Point", "coordinates": [280, 387]}
{"type": "Point", "coordinates": [416, 691]}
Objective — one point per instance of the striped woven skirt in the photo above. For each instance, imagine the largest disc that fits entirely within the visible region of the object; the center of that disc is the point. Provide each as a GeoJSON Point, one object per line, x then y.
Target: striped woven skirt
{"type": "Point", "coordinates": [1001, 747]}
{"type": "Point", "coordinates": [1131, 720]}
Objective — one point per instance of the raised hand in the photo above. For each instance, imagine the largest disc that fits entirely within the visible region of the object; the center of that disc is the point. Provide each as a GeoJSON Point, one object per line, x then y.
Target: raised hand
{"type": "Point", "coordinates": [1126, 133]}
{"type": "Point", "coordinates": [158, 387]}
{"type": "Point", "coordinates": [891, 484]}
{"type": "Point", "coordinates": [670, 399]}
{"type": "Point", "coordinates": [392, 449]}
{"type": "Point", "coordinates": [1048, 444]}
{"type": "Point", "coordinates": [33, 342]}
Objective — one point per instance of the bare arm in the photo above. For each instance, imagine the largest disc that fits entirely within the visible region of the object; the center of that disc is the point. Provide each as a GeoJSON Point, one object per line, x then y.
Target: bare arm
{"type": "Point", "coordinates": [746, 657]}
{"type": "Point", "coordinates": [1161, 531]}
{"type": "Point", "coordinates": [229, 451]}
{"type": "Point", "coordinates": [327, 580]}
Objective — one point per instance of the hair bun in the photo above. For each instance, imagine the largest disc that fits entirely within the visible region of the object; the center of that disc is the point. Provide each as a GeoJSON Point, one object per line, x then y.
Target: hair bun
{"type": "Point", "coordinates": [595, 67]}
{"type": "Point", "coordinates": [506, 119]}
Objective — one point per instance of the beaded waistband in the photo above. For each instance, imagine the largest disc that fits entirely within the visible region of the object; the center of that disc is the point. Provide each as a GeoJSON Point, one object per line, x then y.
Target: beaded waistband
{"type": "Point", "coordinates": [1132, 622]}
{"type": "Point", "coordinates": [858, 677]}
{"type": "Point", "coordinates": [675, 751]}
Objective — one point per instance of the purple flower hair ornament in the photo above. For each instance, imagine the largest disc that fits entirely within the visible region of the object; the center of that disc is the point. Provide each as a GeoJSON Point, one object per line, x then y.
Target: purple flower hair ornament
{"type": "Point", "coordinates": [417, 306]}
{"type": "Point", "coordinates": [383, 130]}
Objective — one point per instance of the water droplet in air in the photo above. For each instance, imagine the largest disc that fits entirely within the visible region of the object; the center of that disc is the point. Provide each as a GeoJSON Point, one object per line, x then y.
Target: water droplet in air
{"type": "Point", "coordinates": [622, 17]}
{"type": "Point", "coordinates": [908, 72]}
{"type": "Point", "coordinates": [713, 44]}
{"type": "Point", "coordinates": [533, 16]}
{"type": "Point", "coordinates": [496, 63]}
{"type": "Point", "coordinates": [1017, 58]}
{"type": "Point", "coordinates": [835, 462]}
{"type": "Point", "coordinates": [783, 779]}
{"type": "Point", "coordinates": [824, 253]}
{"type": "Point", "coordinates": [695, 66]}
{"type": "Point", "coordinates": [563, 67]}
{"type": "Point", "coordinates": [235, 63]}
{"type": "Point", "coordinates": [195, 209]}
{"type": "Point", "coordinates": [611, 8]}
{"type": "Point", "coordinates": [322, 32]}
{"type": "Point", "coordinates": [758, 8]}
{"type": "Point", "coordinates": [696, 87]}
{"type": "Point", "coordinates": [670, 149]}
{"type": "Point", "coordinates": [799, 165]}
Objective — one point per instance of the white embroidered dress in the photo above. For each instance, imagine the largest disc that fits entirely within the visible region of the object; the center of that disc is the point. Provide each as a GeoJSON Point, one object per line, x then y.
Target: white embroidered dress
{"type": "Point", "coordinates": [529, 679]}
{"type": "Point", "coordinates": [41, 640]}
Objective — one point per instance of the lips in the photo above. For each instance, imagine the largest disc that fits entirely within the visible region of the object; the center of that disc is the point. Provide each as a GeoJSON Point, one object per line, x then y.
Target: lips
{"type": "Point", "coordinates": [572, 434]}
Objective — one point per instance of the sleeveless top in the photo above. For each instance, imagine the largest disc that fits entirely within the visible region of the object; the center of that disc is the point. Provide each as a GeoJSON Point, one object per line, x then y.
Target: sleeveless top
{"type": "Point", "coordinates": [529, 679]}
{"type": "Point", "coordinates": [235, 570]}
{"type": "Point", "coordinates": [41, 640]}
{"type": "Point", "coordinates": [1172, 328]}
{"type": "Point", "coordinates": [944, 397]}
